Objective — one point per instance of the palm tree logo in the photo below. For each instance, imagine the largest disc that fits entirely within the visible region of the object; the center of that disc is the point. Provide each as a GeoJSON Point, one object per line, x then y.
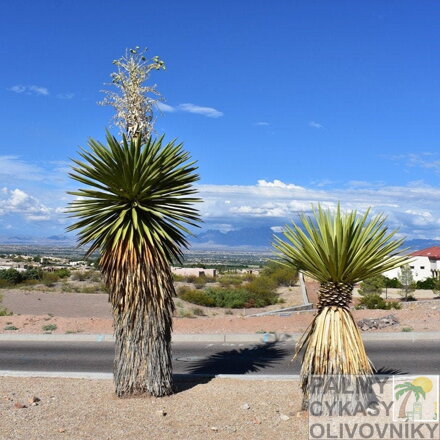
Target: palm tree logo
{"type": "Point", "coordinates": [418, 387]}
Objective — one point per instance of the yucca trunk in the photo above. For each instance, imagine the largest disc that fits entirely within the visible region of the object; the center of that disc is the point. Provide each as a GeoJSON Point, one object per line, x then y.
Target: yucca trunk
{"type": "Point", "coordinates": [141, 293]}
{"type": "Point", "coordinates": [333, 343]}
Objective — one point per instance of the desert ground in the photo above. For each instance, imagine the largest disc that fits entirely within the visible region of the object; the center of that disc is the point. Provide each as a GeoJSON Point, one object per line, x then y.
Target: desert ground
{"type": "Point", "coordinates": [91, 313]}
{"type": "Point", "coordinates": [88, 410]}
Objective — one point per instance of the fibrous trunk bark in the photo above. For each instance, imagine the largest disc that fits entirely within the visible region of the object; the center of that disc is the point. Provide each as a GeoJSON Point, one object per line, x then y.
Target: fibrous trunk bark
{"type": "Point", "coordinates": [141, 293]}
{"type": "Point", "coordinates": [333, 346]}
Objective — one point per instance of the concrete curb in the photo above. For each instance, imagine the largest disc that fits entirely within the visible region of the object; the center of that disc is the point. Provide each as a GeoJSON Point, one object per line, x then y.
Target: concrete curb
{"type": "Point", "coordinates": [177, 377]}
{"type": "Point", "coordinates": [221, 338]}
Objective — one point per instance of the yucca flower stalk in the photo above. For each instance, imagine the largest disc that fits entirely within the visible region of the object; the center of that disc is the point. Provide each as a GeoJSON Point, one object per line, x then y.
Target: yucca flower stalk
{"type": "Point", "coordinates": [338, 250]}
{"type": "Point", "coordinates": [133, 210]}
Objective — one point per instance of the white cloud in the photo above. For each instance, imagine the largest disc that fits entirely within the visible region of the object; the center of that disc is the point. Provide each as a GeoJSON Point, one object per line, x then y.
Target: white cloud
{"type": "Point", "coordinates": [209, 112]}
{"type": "Point", "coordinates": [165, 107]}
{"type": "Point", "coordinates": [13, 166]}
{"type": "Point", "coordinates": [262, 124]}
{"type": "Point", "coordinates": [278, 229]}
{"type": "Point", "coordinates": [315, 124]}
{"type": "Point", "coordinates": [222, 227]}
{"type": "Point", "coordinates": [30, 90]}
{"type": "Point", "coordinates": [414, 209]}
{"type": "Point", "coordinates": [19, 202]}
{"type": "Point", "coordinates": [426, 160]}
{"type": "Point", "coordinates": [65, 95]}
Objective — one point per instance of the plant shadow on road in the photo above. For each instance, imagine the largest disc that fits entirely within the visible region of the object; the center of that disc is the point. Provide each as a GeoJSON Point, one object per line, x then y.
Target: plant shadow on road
{"type": "Point", "coordinates": [385, 371]}
{"type": "Point", "coordinates": [237, 361]}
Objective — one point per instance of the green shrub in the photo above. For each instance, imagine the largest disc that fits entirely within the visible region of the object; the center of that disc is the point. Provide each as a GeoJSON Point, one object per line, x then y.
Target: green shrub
{"type": "Point", "coordinates": [372, 286]}
{"type": "Point", "coordinates": [4, 311]}
{"type": "Point", "coordinates": [11, 275]}
{"type": "Point", "coordinates": [373, 301]}
{"type": "Point", "coordinates": [49, 327]}
{"type": "Point", "coordinates": [392, 283]}
{"type": "Point", "coordinates": [233, 298]}
{"type": "Point", "coordinates": [196, 297]}
{"type": "Point", "coordinates": [428, 284]}
{"type": "Point", "coordinates": [262, 285]}
{"type": "Point", "coordinates": [230, 280]}
{"type": "Point", "coordinates": [11, 327]}
{"type": "Point", "coordinates": [63, 273]}
{"type": "Point", "coordinates": [228, 297]}
{"type": "Point", "coordinates": [33, 273]}
{"type": "Point", "coordinates": [281, 275]}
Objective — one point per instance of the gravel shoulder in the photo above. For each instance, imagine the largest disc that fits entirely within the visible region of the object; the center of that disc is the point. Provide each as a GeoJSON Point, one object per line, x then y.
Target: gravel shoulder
{"type": "Point", "coordinates": [88, 409]}
{"type": "Point", "coordinates": [417, 319]}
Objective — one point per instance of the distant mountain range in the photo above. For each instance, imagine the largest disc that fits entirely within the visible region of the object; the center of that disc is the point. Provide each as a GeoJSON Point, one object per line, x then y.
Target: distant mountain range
{"type": "Point", "coordinates": [53, 240]}
{"type": "Point", "coordinates": [262, 237]}
{"type": "Point", "coordinates": [258, 238]}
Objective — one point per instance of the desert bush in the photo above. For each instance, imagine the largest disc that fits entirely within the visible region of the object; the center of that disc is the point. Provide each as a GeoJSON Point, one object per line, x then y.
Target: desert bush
{"type": "Point", "coordinates": [49, 327]}
{"type": "Point", "coordinates": [230, 280]}
{"type": "Point", "coordinates": [233, 298]}
{"type": "Point", "coordinates": [197, 311]}
{"type": "Point", "coordinates": [33, 274]}
{"type": "Point", "coordinates": [49, 278]}
{"type": "Point", "coordinates": [11, 275]}
{"type": "Point", "coordinates": [408, 297]}
{"type": "Point", "coordinates": [80, 275]}
{"type": "Point", "coordinates": [228, 297]}
{"type": "Point", "coordinates": [280, 274]}
{"type": "Point", "coordinates": [373, 285]}
{"type": "Point", "coordinates": [63, 273]}
{"type": "Point", "coordinates": [374, 301]}
{"type": "Point", "coordinates": [95, 276]}
{"type": "Point", "coordinates": [262, 285]}
{"type": "Point", "coordinates": [203, 279]}
{"type": "Point", "coordinates": [91, 289]}
{"type": "Point", "coordinates": [183, 313]}
{"type": "Point", "coordinates": [196, 297]}
{"type": "Point", "coordinates": [249, 277]}
{"type": "Point", "coordinates": [392, 283]}
{"type": "Point", "coordinates": [11, 327]}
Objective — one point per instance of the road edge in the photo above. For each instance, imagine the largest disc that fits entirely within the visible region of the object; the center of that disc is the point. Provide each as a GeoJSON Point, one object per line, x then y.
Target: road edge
{"type": "Point", "coordinates": [220, 338]}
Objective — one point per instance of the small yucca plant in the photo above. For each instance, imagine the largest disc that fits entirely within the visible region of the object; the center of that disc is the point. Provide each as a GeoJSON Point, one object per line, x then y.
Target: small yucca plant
{"type": "Point", "coordinates": [137, 199]}
{"type": "Point", "coordinates": [338, 250]}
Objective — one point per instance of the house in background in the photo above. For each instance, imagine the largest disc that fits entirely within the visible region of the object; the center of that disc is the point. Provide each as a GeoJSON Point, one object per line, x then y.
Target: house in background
{"type": "Point", "coordinates": [194, 271]}
{"type": "Point", "coordinates": [424, 264]}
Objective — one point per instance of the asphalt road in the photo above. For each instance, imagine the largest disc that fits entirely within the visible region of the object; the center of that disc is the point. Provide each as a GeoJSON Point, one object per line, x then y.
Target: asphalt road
{"type": "Point", "coordinates": [389, 357]}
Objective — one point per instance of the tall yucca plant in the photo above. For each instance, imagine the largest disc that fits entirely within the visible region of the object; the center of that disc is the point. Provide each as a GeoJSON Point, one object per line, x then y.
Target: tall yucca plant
{"type": "Point", "coordinates": [338, 250]}
{"type": "Point", "coordinates": [137, 199]}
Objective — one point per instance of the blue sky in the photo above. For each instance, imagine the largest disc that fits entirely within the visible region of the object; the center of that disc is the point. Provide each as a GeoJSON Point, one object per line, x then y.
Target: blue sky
{"type": "Point", "coordinates": [282, 103]}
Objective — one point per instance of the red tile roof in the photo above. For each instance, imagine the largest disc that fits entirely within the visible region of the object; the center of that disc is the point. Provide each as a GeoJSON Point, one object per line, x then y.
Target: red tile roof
{"type": "Point", "coordinates": [432, 252]}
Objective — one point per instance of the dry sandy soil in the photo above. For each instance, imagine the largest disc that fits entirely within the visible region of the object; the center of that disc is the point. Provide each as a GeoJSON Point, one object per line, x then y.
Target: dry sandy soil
{"type": "Point", "coordinates": [77, 409]}
{"type": "Point", "coordinates": [91, 313]}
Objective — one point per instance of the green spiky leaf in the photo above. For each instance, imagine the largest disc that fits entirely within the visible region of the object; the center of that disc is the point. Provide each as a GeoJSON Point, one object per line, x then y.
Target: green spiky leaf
{"type": "Point", "coordinates": [138, 192]}
{"type": "Point", "coordinates": [338, 247]}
